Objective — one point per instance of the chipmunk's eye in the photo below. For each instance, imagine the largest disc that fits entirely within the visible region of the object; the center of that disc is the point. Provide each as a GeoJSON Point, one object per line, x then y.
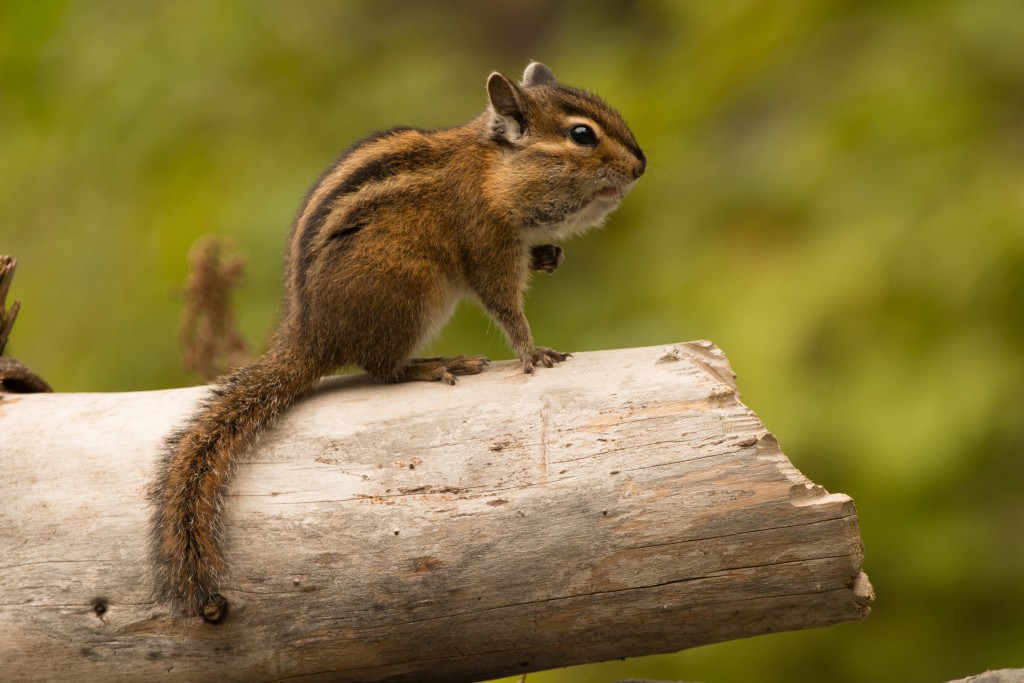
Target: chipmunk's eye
{"type": "Point", "coordinates": [583, 135]}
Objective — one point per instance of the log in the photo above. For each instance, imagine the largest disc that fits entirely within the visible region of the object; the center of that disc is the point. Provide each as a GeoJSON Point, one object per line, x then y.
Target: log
{"type": "Point", "coordinates": [998, 676]}
{"type": "Point", "coordinates": [626, 503]}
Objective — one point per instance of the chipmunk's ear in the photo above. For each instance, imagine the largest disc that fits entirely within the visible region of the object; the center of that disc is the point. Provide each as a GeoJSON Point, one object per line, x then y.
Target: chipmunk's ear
{"type": "Point", "coordinates": [538, 74]}
{"type": "Point", "coordinates": [508, 108]}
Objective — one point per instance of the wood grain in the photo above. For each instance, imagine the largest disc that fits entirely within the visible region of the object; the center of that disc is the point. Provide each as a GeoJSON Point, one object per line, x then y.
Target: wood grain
{"type": "Point", "coordinates": [622, 504]}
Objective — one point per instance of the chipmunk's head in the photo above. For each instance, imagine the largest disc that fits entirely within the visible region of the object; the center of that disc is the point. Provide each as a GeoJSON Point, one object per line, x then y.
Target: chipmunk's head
{"type": "Point", "coordinates": [569, 157]}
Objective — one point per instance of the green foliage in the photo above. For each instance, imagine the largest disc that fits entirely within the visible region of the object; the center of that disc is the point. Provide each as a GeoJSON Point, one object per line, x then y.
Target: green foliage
{"type": "Point", "coordinates": [835, 196]}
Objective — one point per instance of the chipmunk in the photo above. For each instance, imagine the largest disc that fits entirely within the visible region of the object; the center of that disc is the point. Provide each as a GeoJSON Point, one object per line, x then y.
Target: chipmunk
{"type": "Point", "coordinates": [401, 226]}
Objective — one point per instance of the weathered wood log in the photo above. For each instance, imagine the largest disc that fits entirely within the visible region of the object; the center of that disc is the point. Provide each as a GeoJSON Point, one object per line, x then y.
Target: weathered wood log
{"type": "Point", "coordinates": [625, 503]}
{"type": "Point", "coordinates": [998, 676]}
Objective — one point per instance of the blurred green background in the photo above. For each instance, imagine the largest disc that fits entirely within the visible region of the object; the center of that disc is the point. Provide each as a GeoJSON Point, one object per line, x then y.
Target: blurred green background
{"type": "Point", "coordinates": [835, 196]}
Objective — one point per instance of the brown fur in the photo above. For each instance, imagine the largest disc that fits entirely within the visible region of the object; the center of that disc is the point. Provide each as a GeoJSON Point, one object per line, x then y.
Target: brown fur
{"type": "Point", "coordinates": [394, 233]}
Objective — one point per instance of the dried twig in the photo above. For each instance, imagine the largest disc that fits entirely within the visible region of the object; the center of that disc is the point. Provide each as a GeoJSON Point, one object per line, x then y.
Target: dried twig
{"type": "Point", "coordinates": [7, 318]}
{"type": "Point", "coordinates": [210, 339]}
{"type": "Point", "coordinates": [15, 378]}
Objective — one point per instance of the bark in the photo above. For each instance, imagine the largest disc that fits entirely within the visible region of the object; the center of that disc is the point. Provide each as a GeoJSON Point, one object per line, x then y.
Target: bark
{"type": "Point", "coordinates": [625, 503]}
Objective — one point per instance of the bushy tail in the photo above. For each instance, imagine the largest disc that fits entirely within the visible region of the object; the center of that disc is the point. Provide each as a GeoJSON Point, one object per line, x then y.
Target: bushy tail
{"type": "Point", "coordinates": [188, 494]}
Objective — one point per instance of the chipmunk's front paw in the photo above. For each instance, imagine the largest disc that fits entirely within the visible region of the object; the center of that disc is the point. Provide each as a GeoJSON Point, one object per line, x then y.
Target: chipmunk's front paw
{"type": "Point", "coordinates": [543, 356]}
{"type": "Point", "coordinates": [546, 257]}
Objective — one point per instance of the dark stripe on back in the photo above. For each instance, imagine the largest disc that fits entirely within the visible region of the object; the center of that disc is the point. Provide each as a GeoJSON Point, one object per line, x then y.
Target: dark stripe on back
{"type": "Point", "coordinates": [373, 137]}
{"type": "Point", "coordinates": [355, 221]}
{"type": "Point", "coordinates": [375, 170]}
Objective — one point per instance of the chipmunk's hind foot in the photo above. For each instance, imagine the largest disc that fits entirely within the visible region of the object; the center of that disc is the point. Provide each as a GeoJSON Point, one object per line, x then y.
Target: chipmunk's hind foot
{"type": "Point", "coordinates": [443, 369]}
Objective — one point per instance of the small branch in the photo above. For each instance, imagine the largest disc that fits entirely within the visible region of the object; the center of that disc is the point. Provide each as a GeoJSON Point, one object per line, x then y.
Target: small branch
{"type": "Point", "coordinates": [15, 378]}
{"type": "Point", "coordinates": [7, 318]}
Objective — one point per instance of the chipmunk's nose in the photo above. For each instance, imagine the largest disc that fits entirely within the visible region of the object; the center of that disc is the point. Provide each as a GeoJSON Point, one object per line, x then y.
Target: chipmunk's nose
{"type": "Point", "coordinates": [640, 166]}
